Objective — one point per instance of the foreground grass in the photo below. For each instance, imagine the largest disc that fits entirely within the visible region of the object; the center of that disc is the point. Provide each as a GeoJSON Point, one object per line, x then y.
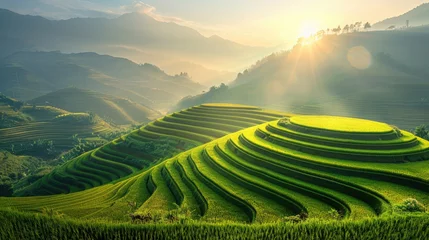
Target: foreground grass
{"type": "Point", "coordinates": [17, 225]}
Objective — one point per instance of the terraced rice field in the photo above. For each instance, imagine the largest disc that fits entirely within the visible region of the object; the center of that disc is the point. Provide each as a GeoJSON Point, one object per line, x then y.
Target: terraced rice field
{"type": "Point", "coordinates": [60, 133]}
{"type": "Point", "coordinates": [122, 157]}
{"type": "Point", "coordinates": [265, 172]}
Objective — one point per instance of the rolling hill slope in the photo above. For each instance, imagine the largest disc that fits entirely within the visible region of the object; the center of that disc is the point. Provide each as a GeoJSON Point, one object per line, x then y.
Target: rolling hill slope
{"type": "Point", "coordinates": [22, 125]}
{"type": "Point", "coordinates": [120, 111]}
{"type": "Point", "coordinates": [319, 78]}
{"type": "Point", "coordinates": [133, 35]}
{"type": "Point", "coordinates": [60, 130]}
{"type": "Point", "coordinates": [155, 141]}
{"type": "Point", "coordinates": [28, 75]}
{"type": "Point", "coordinates": [297, 165]}
{"type": "Point", "coordinates": [416, 17]}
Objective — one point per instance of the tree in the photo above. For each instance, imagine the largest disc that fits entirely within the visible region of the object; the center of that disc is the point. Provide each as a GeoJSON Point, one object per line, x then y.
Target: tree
{"type": "Point", "coordinates": [346, 29]}
{"type": "Point", "coordinates": [6, 189]}
{"type": "Point", "coordinates": [421, 131]}
{"type": "Point", "coordinates": [367, 26]}
{"type": "Point", "coordinates": [223, 87]}
{"type": "Point", "coordinates": [337, 30]}
{"type": "Point", "coordinates": [300, 41]}
{"type": "Point", "coordinates": [357, 26]}
{"type": "Point", "coordinates": [351, 27]}
{"type": "Point", "coordinates": [407, 23]}
{"type": "Point", "coordinates": [320, 34]}
{"type": "Point", "coordinates": [391, 27]}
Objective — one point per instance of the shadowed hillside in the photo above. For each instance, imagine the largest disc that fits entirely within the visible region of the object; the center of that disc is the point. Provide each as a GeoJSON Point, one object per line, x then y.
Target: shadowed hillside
{"type": "Point", "coordinates": [27, 75]}
{"type": "Point", "coordinates": [119, 111]}
{"type": "Point", "coordinates": [415, 17]}
{"type": "Point", "coordinates": [133, 35]}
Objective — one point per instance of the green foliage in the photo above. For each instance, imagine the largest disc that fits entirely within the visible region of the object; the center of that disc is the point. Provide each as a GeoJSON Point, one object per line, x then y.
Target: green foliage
{"type": "Point", "coordinates": [180, 215]}
{"type": "Point", "coordinates": [15, 104]}
{"type": "Point", "coordinates": [422, 131]}
{"type": "Point", "coordinates": [296, 218]}
{"type": "Point", "coordinates": [162, 148]}
{"type": "Point", "coordinates": [17, 225]}
{"type": "Point", "coordinates": [80, 147]}
{"type": "Point", "coordinates": [78, 118]}
{"type": "Point", "coordinates": [40, 147]}
{"type": "Point", "coordinates": [411, 205]}
{"type": "Point", "coordinates": [9, 120]}
{"type": "Point", "coordinates": [6, 189]}
{"type": "Point", "coordinates": [51, 213]}
{"type": "Point", "coordinates": [334, 214]}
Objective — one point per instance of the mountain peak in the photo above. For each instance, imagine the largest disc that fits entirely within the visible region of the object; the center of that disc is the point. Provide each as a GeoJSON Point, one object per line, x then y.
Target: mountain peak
{"type": "Point", "coordinates": [136, 16]}
{"type": "Point", "coordinates": [417, 16]}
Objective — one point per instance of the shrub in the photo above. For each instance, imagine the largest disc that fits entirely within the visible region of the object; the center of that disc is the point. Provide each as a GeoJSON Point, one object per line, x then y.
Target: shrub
{"type": "Point", "coordinates": [51, 212]}
{"type": "Point", "coordinates": [411, 205]}
{"type": "Point", "coordinates": [296, 218]}
{"type": "Point", "coordinates": [421, 131]}
{"type": "Point", "coordinates": [334, 214]}
{"type": "Point", "coordinates": [6, 189]}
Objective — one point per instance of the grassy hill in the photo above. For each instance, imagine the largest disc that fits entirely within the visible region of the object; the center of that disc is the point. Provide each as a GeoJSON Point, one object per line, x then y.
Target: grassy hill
{"type": "Point", "coordinates": [317, 166]}
{"type": "Point", "coordinates": [119, 111]}
{"type": "Point", "coordinates": [22, 127]}
{"type": "Point", "coordinates": [319, 78]}
{"type": "Point", "coordinates": [142, 148]}
{"type": "Point", "coordinates": [59, 130]}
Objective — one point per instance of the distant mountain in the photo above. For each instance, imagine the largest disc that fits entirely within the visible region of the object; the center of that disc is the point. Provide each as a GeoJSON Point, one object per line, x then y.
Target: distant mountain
{"type": "Point", "coordinates": [133, 35]}
{"type": "Point", "coordinates": [118, 110]}
{"type": "Point", "coordinates": [27, 75]}
{"type": "Point", "coordinates": [319, 78]}
{"type": "Point", "coordinates": [203, 75]}
{"type": "Point", "coordinates": [416, 17]}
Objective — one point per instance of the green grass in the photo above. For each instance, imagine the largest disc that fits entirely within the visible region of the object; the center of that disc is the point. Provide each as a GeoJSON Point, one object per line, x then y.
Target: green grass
{"type": "Point", "coordinates": [16, 225]}
{"type": "Point", "coordinates": [341, 124]}
{"type": "Point", "coordinates": [241, 177]}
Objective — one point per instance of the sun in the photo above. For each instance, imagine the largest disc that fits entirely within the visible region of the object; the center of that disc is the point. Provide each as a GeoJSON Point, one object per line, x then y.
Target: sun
{"type": "Point", "coordinates": [308, 28]}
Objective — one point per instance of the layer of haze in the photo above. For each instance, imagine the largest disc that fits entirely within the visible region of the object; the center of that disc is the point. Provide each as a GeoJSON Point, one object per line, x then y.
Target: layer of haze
{"type": "Point", "coordinates": [254, 22]}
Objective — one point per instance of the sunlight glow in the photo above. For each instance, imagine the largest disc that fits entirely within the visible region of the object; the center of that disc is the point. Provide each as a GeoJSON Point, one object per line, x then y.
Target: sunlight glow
{"type": "Point", "coordinates": [309, 28]}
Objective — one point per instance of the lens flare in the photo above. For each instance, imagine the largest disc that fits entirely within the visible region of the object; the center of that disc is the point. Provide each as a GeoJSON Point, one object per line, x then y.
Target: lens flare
{"type": "Point", "coordinates": [359, 57]}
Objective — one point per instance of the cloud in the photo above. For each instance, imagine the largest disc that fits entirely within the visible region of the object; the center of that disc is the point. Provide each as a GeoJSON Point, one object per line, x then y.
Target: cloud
{"type": "Point", "coordinates": [138, 6]}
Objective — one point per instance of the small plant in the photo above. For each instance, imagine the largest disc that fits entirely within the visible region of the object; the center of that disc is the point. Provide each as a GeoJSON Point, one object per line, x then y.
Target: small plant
{"type": "Point", "coordinates": [411, 205]}
{"type": "Point", "coordinates": [397, 131]}
{"type": "Point", "coordinates": [132, 206]}
{"type": "Point", "coordinates": [292, 219]}
{"type": "Point", "coordinates": [141, 217]}
{"type": "Point", "coordinates": [284, 122]}
{"type": "Point", "coordinates": [296, 218]}
{"type": "Point", "coordinates": [50, 212]}
{"type": "Point", "coordinates": [334, 214]}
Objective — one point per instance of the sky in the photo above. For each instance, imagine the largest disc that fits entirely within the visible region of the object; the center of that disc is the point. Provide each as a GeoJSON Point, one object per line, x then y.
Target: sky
{"type": "Point", "coordinates": [250, 22]}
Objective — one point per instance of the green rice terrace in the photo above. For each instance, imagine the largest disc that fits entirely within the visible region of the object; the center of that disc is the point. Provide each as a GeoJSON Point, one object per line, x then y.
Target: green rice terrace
{"type": "Point", "coordinates": [247, 166]}
{"type": "Point", "coordinates": [59, 129]}
{"type": "Point", "coordinates": [142, 148]}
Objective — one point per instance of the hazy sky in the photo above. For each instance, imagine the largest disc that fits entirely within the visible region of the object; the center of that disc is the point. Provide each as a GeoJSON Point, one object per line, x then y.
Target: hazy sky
{"type": "Point", "coordinates": [252, 22]}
